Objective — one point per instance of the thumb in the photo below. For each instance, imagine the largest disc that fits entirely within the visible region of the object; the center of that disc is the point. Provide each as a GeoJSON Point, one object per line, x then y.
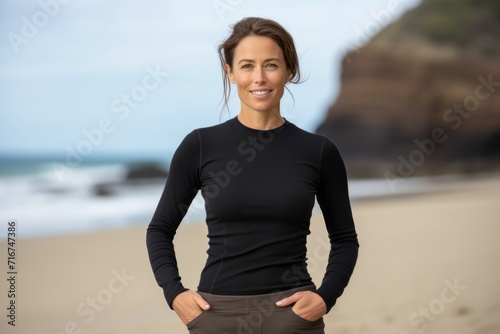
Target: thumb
{"type": "Point", "coordinates": [202, 303]}
{"type": "Point", "coordinates": [290, 300]}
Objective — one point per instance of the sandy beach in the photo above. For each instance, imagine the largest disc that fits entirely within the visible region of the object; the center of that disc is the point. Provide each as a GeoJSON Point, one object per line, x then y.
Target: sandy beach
{"type": "Point", "coordinates": [428, 263]}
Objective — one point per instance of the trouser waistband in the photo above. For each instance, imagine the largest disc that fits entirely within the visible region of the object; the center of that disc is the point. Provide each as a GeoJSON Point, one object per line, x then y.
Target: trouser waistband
{"type": "Point", "coordinates": [250, 303]}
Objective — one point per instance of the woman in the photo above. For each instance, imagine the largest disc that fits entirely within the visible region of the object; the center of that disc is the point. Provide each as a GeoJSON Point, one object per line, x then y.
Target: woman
{"type": "Point", "coordinates": [259, 175]}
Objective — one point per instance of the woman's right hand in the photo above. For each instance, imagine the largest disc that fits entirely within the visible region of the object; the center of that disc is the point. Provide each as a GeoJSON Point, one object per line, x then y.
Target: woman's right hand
{"type": "Point", "coordinates": [188, 305]}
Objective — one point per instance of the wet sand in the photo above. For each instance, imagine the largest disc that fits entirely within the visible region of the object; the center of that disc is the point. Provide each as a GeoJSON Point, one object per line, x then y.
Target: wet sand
{"type": "Point", "coordinates": [428, 263]}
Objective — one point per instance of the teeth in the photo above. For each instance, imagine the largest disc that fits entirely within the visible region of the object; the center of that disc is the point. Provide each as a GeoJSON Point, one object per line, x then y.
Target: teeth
{"type": "Point", "coordinates": [261, 92]}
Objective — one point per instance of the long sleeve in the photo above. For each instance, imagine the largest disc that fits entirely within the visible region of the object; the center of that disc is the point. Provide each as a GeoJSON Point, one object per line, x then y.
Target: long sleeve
{"type": "Point", "coordinates": [180, 189]}
{"type": "Point", "coordinates": [333, 198]}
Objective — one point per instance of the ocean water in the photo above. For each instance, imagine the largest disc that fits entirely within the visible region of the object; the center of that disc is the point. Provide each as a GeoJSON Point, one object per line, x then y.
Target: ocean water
{"type": "Point", "coordinates": [42, 204]}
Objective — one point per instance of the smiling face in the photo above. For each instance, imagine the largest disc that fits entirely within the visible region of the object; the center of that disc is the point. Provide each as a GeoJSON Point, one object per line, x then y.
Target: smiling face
{"type": "Point", "coordinates": [260, 73]}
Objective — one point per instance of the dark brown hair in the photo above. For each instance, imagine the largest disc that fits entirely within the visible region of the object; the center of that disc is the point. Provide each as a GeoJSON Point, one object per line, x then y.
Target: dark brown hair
{"type": "Point", "coordinates": [256, 26]}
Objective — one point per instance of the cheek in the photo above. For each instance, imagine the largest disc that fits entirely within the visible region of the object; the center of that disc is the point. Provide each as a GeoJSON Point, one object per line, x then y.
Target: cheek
{"type": "Point", "coordinates": [241, 85]}
{"type": "Point", "coordinates": [279, 83]}
{"type": "Point", "coordinates": [242, 80]}
{"type": "Point", "coordinates": [280, 79]}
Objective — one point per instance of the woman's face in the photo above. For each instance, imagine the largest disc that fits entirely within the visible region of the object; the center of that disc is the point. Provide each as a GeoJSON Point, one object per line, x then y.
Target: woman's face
{"type": "Point", "coordinates": [259, 71]}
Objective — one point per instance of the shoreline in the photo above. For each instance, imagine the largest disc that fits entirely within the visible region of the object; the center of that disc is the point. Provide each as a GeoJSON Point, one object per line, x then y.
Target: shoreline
{"type": "Point", "coordinates": [361, 190]}
{"type": "Point", "coordinates": [412, 248]}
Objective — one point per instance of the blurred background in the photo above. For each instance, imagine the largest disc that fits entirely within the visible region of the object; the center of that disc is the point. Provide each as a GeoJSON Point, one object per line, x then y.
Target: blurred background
{"type": "Point", "coordinates": [90, 91]}
{"type": "Point", "coordinates": [95, 98]}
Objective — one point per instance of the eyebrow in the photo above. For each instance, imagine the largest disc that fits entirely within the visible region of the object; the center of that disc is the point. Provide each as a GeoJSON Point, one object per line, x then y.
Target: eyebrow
{"type": "Point", "coordinates": [253, 61]}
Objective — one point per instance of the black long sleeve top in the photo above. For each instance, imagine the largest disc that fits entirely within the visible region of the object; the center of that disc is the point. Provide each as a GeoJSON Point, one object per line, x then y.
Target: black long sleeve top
{"type": "Point", "coordinates": [259, 189]}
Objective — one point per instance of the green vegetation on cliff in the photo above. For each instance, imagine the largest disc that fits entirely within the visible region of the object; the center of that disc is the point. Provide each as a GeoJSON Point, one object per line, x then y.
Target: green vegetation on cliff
{"type": "Point", "coordinates": [422, 96]}
{"type": "Point", "coordinates": [467, 24]}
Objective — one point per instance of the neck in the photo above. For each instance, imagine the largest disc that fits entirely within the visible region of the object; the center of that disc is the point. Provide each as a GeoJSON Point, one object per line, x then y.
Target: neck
{"type": "Point", "coordinates": [261, 120]}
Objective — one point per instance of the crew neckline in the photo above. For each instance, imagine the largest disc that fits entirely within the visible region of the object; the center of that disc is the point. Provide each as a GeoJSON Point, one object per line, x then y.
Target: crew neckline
{"type": "Point", "coordinates": [240, 127]}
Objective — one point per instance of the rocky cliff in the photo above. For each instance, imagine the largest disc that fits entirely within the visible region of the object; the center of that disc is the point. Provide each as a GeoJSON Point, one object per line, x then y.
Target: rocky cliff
{"type": "Point", "coordinates": [423, 96]}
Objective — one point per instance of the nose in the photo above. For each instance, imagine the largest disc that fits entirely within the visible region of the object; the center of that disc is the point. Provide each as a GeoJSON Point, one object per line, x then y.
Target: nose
{"type": "Point", "coordinates": [259, 75]}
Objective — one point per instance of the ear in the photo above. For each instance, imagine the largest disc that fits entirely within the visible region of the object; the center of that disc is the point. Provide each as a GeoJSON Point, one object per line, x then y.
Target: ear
{"type": "Point", "coordinates": [289, 76]}
{"type": "Point", "coordinates": [230, 74]}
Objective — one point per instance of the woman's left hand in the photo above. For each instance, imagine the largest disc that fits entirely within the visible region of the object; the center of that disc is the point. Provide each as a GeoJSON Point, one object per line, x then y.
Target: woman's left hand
{"type": "Point", "coordinates": [308, 305]}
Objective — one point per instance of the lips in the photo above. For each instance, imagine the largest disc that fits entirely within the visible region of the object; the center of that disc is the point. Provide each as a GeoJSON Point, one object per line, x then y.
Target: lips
{"type": "Point", "coordinates": [261, 93]}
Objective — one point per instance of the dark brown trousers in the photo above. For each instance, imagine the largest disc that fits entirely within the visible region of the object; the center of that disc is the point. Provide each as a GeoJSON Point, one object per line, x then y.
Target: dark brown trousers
{"type": "Point", "coordinates": [256, 314]}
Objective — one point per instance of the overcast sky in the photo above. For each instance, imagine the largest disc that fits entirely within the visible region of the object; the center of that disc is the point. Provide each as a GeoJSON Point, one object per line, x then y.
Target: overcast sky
{"type": "Point", "coordinates": [134, 77]}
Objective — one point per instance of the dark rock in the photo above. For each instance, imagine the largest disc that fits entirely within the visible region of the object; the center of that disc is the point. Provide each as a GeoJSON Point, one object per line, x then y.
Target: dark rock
{"type": "Point", "coordinates": [419, 92]}
{"type": "Point", "coordinates": [137, 176]}
{"type": "Point", "coordinates": [146, 172]}
{"type": "Point", "coordinates": [104, 189]}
